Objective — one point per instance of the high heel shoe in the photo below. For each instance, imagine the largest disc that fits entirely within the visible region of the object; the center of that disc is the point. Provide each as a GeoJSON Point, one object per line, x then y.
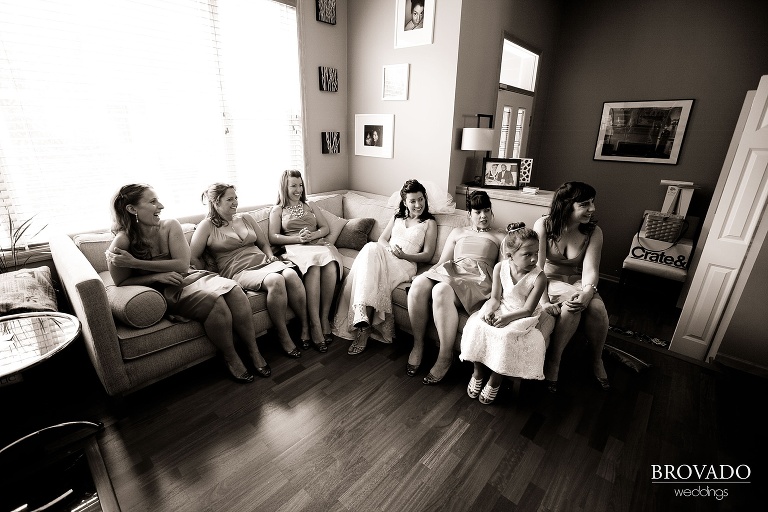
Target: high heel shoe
{"type": "Point", "coordinates": [411, 369]}
{"type": "Point", "coordinates": [474, 387]}
{"type": "Point", "coordinates": [603, 383]}
{"type": "Point", "coordinates": [305, 344]}
{"type": "Point", "coordinates": [321, 347]}
{"type": "Point", "coordinates": [551, 385]}
{"type": "Point", "coordinates": [361, 341]}
{"type": "Point", "coordinates": [244, 378]}
{"type": "Point", "coordinates": [293, 354]}
{"type": "Point", "coordinates": [327, 338]}
{"type": "Point", "coordinates": [264, 371]}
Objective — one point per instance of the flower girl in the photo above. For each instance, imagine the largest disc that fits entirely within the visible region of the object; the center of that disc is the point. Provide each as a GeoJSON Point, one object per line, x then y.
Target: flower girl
{"type": "Point", "coordinates": [505, 335]}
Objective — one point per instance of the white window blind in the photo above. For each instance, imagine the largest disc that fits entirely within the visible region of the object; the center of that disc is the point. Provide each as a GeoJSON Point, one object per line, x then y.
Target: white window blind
{"type": "Point", "coordinates": [175, 93]}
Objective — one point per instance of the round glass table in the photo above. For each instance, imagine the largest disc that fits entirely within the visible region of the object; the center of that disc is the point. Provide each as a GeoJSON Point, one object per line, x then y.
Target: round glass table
{"type": "Point", "coordinates": [27, 339]}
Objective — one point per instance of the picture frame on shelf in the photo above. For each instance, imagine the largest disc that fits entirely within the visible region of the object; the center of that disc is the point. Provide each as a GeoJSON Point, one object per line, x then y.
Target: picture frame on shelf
{"type": "Point", "coordinates": [503, 173]}
{"type": "Point", "coordinates": [375, 135]}
{"type": "Point", "coordinates": [526, 170]}
{"type": "Point", "coordinates": [325, 11]}
{"type": "Point", "coordinates": [642, 131]}
{"type": "Point", "coordinates": [414, 22]}
{"type": "Point", "coordinates": [394, 82]}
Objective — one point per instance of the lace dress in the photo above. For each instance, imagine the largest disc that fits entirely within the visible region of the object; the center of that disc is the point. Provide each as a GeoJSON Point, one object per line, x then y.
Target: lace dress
{"type": "Point", "coordinates": [470, 272]}
{"type": "Point", "coordinates": [239, 258]}
{"type": "Point", "coordinates": [518, 348]}
{"type": "Point", "coordinates": [315, 253]}
{"type": "Point", "coordinates": [374, 274]}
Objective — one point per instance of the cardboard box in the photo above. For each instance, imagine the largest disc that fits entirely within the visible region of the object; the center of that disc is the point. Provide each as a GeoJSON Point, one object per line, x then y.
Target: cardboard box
{"type": "Point", "coordinates": [675, 256]}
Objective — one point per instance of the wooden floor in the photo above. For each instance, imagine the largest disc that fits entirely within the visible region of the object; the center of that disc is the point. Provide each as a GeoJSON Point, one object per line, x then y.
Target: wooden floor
{"type": "Point", "coordinates": [331, 432]}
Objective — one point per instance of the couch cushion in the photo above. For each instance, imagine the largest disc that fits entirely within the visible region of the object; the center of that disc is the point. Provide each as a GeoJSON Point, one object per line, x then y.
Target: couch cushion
{"type": "Point", "coordinates": [335, 223]}
{"type": "Point", "coordinates": [357, 206]}
{"type": "Point", "coordinates": [135, 306]}
{"type": "Point", "coordinates": [354, 235]}
{"type": "Point", "coordinates": [331, 203]}
{"type": "Point", "coordinates": [27, 289]}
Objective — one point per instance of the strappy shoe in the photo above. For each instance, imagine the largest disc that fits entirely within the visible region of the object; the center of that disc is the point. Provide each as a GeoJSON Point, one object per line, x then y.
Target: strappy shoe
{"type": "Point", "coordinates": [244, 378]}
{"type": "Point", "coordinates": [411, 369]}
{"type": "Point", "coordinates": [321, 346]}
{"type": "Point", "coordinates": [264, 371]}
{"type": "Point", "coordinates": [305, 344]}
{"type": "Point", "coordinates": [474, 387]}
{"type": "Point", "coordinates": [361, 341]}
{"type": "Point", "coordinates": [488, 394]}
{"type": "Point", "coordinates": [293, 354]}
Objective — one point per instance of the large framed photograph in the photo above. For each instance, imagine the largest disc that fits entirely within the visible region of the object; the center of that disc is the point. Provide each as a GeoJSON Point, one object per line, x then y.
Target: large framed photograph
{"type": "Point", "coordinates": [643, 131]}
{"type": "Point", "coordinates": [394, 82]}
{"type": "Point", "coordinates": [414, 22]}
{"type": "Point", "coordinates": [501, 173]}
{"type": "Point", "coordinates": [375, 135]}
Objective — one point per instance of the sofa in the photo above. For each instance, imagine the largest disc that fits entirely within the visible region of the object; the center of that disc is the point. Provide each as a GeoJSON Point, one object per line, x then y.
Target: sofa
{"type": "Point", "coordinates": [132, 345]}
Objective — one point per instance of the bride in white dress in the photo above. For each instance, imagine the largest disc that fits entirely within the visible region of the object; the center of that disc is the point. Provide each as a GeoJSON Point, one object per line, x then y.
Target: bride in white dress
{"type": "Point", "coordinates": [365, 302]}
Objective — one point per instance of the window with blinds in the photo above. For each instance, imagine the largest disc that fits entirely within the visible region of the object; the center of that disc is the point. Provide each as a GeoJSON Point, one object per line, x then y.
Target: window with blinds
{"type": "Point", "coordinates": [175, 93]}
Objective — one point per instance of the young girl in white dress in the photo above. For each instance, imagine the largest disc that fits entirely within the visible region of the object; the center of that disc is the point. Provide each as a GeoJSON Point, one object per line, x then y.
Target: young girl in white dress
{"type": "Point", "coordinates": [507, 335]}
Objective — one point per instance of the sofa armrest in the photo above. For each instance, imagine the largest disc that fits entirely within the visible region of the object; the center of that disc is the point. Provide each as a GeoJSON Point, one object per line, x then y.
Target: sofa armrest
{"type": "Point", "coordinates": [86, 293]}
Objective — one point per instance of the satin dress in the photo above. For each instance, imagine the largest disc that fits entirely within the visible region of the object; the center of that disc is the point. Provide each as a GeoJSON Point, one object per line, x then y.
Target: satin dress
{"type": "Point", "coordinates": [470, 272]}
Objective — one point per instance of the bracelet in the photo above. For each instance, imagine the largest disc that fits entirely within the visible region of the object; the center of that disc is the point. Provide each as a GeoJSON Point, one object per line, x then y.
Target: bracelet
{"type": "Point", "coordinates": [589, 285]}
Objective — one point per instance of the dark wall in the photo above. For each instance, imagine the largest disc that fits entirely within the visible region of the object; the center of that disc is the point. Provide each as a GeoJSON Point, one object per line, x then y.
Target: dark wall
{"type": "Point", "coordinates": [711, 51]}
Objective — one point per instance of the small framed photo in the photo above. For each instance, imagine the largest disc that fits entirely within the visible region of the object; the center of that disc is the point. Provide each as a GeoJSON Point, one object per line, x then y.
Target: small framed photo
{"type": "Point", "coordinates": [414, 22]}
{"type": "Point", "coordinates": [501, 173]}
{"type": "Point", "coordinates": [329, 79]}
{"type": "Point", "coordinates": [375, 135]}
{"type": "Point", "coordinates": [326, 11]}
{"type": "Point", "coordinates": [394, 84]}
{"type": "Point", "coordinates": [330, 143]}
{"type": "Point", "coordinates": [642, 131]}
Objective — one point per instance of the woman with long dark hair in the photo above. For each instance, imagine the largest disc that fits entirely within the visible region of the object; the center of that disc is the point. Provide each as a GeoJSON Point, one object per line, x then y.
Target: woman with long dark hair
{"type": "Point", "coordinates": [365, 303]}
{"type": "Point", "coordinates": [151, 251]}
{"type": "Point", "coordinates": [570, 243]}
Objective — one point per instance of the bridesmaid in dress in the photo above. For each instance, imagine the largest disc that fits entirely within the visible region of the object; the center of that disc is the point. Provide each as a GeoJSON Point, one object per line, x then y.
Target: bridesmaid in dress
{"type": "Point", "coordinates": [365, 303]}
{"type": "Point", "coordinates": [243, 253]}
{"type": "Point", "coordinates": [296, 224]}
{"type": "Point", "coordinates": [153, 252]}
{"type": "Point", "coordinates": [461, 278]}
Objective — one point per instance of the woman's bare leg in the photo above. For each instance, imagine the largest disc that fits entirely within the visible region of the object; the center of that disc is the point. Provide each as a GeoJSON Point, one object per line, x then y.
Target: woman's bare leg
{"type": "Point", "coordinates": [445, 306]}
{"type": "Point", "coordinates": [419, 296]}
{"type": "Point", "coordinates": [329, 276]}
{"type": "Point", "coordinates": [297, 299]}
{"type": "Point", "coordinates": [218, 327]}
{"type": "Point", "coordinates": [596, 330]}
{"type": "Point", "coordinates": [313, 288]}
{"type": "Point", "coordinates": [242, 322]}
{"type": "Point", "coordinates": [277, 305]}
{"type": "Point", "coordinates": [565, 326]}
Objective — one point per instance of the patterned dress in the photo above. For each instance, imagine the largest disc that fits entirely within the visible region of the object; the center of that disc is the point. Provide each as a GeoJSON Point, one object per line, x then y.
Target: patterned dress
{"type": "Point", "coordinates": [470, 272]}
{"type": "Point", "coordinates": [315, 253]}
{"type": "Point", "coordinates": [374, 274]}
{"type": "Point", "coordinates": [239, 258]}
{"type": "Point", "coordinates": [518, 348]}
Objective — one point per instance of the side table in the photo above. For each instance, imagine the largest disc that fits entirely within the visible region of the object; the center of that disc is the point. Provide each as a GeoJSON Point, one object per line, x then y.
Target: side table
{"type": "Point", "coordinates": [27, 339]}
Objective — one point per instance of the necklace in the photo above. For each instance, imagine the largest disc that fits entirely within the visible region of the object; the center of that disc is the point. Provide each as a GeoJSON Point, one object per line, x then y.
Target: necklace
{"type": "Point", "coordinates": [480, 230]}
{"type": "Point", "coordinates": [296, 212]}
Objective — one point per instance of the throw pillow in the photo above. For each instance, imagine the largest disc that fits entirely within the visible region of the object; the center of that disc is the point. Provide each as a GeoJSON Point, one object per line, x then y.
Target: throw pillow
{"type": "Point", "coordinates": [135, 306]}
{"type": "Point", "coordinates": [336, 225]}
{"type": "Point", "coordinates": [28, 289]}
{"type": "Point", "coordinates": [355, 233]}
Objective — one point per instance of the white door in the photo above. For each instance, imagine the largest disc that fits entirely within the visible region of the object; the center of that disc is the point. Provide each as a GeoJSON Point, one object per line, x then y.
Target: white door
{"type": "Point", "coordinates": [733, 231]}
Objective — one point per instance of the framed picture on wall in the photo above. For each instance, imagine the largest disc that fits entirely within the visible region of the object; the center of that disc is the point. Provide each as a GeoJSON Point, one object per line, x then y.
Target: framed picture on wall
{"type": "Point", "coordinates": [414, 22]}
{"type": "Point", "coordinates": [642, 131]}
{"type": "Point", "coordinates": [501, 173]}
{"type": "Point", "coordinates": [375, 135]}
{"type": "Point", "coordinates": [394, 84]}
{"type": "Point", "coordinates": [326, 11]}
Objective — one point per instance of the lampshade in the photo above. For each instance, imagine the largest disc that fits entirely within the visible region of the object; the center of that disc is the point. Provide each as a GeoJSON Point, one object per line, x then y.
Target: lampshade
{"type": "Point", "coordinates": [477, 139]}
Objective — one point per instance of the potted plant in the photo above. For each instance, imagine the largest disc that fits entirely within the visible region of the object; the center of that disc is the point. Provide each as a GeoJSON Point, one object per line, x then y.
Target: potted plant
{"type": "Point", "coordinates": [10, 256]}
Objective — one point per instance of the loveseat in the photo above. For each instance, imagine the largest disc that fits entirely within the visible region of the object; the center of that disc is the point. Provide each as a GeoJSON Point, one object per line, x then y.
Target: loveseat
{"type": "Point", "coordinates": [131, 344]}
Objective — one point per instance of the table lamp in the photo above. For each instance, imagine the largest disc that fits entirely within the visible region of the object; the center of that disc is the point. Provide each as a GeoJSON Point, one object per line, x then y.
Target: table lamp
{"type": "Point", "coordinates": [478, 139]}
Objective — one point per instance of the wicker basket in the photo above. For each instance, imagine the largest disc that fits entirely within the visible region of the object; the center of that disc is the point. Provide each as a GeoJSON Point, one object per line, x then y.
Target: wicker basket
{"type": "Point", "coordinates": [665, 227]}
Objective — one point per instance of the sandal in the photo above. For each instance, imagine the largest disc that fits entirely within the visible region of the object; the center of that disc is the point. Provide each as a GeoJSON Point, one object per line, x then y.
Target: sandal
{"type": "Point", "coordinates": [474, 387]}
{"type": "Point", "coordinates": [361, 341]}
{"type": "Point", "coordinates": [488, 395]}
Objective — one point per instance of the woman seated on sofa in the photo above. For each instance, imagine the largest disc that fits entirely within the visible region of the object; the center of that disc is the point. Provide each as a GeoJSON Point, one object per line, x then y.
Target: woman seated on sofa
{"type": "Point", "coordinates": [570, 244]}
{"type": "Point", "coordinates": [295, 224]}
{"type": "Point", "coordinates": [243, 253]}
{"type": "Point", "coordinates": [153, 252]}
{"type": "Point", "coordinates": [365, 302]}
{"type": "Point", "coordinates": [461, 278]}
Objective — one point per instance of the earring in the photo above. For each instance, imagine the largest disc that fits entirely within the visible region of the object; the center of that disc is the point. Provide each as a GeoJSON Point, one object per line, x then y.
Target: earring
{"type": "Point", "coordinates": [137, 217]}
